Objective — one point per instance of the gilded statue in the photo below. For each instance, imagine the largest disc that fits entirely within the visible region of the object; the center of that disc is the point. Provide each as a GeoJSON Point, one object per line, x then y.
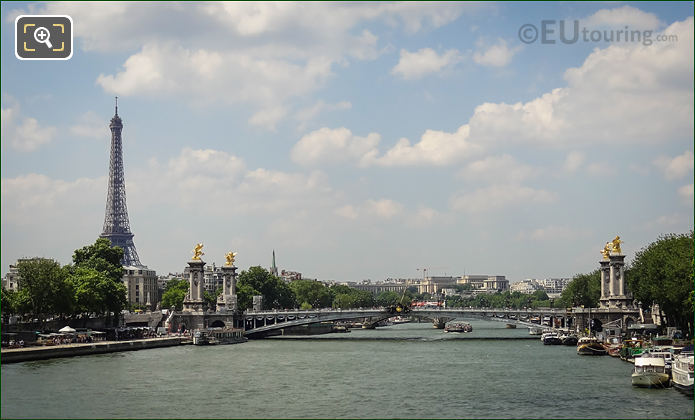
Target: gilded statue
{"type": "Point", "coordinates": [197, 252]}
{"type": "Point", "coordinates": [616, 245]}
{"type": "Point", "coordinates": [230, 258]}
{"type": "Point", "coordinates": [606, 251]}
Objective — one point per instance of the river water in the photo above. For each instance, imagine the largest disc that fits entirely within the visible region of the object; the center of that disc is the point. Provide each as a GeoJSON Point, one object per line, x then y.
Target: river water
{"type": "Point", "coordinates": [403, 371]}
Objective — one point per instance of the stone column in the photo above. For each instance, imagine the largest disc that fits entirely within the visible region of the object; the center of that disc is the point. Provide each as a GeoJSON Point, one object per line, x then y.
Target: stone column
{"type": "Point", "coordinates": [227, 301]}
{"type": "Point", "coordinates": [194, 298]}
{"type": "Point", "coordinates": [617, 267]}
{"type": "Point", "coordinates": [605, 281]}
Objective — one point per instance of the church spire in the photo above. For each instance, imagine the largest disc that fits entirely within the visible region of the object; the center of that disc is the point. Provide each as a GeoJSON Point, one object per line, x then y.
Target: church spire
{"type": "Point", "coordinates": [274, 268]}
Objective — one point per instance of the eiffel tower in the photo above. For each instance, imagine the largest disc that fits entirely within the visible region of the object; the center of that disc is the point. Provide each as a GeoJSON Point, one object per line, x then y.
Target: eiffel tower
{"type": "Point", "coordinates": [116, 224]}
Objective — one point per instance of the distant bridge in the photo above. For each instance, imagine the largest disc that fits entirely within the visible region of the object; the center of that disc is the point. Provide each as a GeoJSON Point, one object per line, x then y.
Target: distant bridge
{"type": "Point", "coordinates": [259, 323]}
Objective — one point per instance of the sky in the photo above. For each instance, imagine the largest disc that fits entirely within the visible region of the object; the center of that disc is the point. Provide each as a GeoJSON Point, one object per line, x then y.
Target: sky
{"type": "Point", "coordinates": [357, 140]}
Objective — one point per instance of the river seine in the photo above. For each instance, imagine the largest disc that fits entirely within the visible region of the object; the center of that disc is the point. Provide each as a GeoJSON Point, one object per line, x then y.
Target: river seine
{"type": "Point", "coordinates": [403, 371]}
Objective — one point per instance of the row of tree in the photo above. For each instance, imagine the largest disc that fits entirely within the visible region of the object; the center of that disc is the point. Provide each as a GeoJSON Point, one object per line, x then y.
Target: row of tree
{"type": "Point", "coordinates": [90, 285]}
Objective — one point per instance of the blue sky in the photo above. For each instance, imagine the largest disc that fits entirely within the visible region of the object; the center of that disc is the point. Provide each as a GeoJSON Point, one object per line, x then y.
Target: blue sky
{"type": "Point", "coordinates": [357, 140]}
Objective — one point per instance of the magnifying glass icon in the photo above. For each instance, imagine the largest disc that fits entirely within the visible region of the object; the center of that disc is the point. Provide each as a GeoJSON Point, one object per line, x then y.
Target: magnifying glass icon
{"type": "Point", "coordinates": [43, 36]}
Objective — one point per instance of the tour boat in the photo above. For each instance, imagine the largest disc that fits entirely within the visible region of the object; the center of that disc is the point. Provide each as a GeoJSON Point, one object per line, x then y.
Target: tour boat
{"type": "Point", "coordinates": [682, 373]}
{"type": "Point", "coordinates": [551, 338]}
{"type": "Point", "coordinates": [226, 335]}
{"type": "Point", "coordinates": [649, 372]}
{"type": "Point", "coordinates": [569, 339]}
{"type": "Point", "coordinates": [589, 346]}
{"type": "Point", "coordinates": [458, 326]}
{"type": "Point", "coordinates": [201, 338]}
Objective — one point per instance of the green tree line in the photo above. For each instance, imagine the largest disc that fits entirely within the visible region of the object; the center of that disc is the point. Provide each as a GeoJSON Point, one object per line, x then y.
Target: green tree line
{"type": "Point", "coordinates": [91, 284]}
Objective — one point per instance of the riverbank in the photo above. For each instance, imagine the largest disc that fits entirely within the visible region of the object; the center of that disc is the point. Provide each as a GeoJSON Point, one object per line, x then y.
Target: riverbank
{"type": "Point", "coordinates": [81, 349]}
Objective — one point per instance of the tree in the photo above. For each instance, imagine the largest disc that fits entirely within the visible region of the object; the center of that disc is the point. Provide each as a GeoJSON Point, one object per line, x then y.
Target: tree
{"type": "Point", "coordinates": [584, 289]}
{"type": "Point", "coordinates": [41, 282]}
{"type": "Point", "coordinates": [245, 294]}
{"type": "Point", "coordinates": [101, 256]}
{"type": "Point", "coordinates": [662, 273]}
{"type": "Point", "coordinates": [276, 293]}
{"type": "Point", "coordinates": [387, 298]}
{"type": "Point", "coordinates": [175, 293]}
{"type": "Point", "coordinates": [97, 274]}
{"type": "Point", "coordinates": [347, 297]}
{"type": "Point", "coordinates": [210, 299]}
{"type": "Point", "coordinates": [312, 293]}
{"type": "Point", "coordinates": [96, 292]}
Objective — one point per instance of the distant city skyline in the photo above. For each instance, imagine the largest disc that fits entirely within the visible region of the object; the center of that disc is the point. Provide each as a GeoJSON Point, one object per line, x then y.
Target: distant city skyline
{"type": "Point", "coordinates": [357, 141]}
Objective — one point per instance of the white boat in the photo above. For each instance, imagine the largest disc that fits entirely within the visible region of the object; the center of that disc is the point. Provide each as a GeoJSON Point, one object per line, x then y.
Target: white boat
{"type": "Point", "coordinates": [683, 373]}
{"type": "Point", "coordinates": [458, 326]}
{"type": "Point", "coordinates": [535, 331]}
{"type": "Point", "coordinates": [649, 372]}
{"type": "Point", "coordinates": [666, 355]}
{"type": "Point", "coordinates": [551, 338]}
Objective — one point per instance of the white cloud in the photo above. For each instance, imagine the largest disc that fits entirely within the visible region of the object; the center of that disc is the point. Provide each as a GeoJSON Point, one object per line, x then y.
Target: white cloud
{"type": "Point", "coordinates": [686, 193]}
{"type": "Point", "coordinates": [498, 169]}
{"type": "Point", "coordinates": [437, 148]}
{"type": "Point", "coordinates": [498, 197]}
{"type": "Point", "coordinates": [621, 17]}
{"type": "Point", "coordinates": [266, 54]}
{"type": "Point", "coordinates": [327, 146]}
{"type": "Point", "coordinates": [90, 125]}
{"type": "Point", "coordinates": [497, 55]}
{"type": "Point", "coordinates": [347, 211]}
{"type": "Point", "coordinates": [209, 76]}
{"type": "Point", "coordinates": [573, 161]}
{"type": "Point", "coordinates": [24, 134]}
{"type": "Point", "coordinates": [622, 94]}
{"type": "Point", "coordinates": [384, 208]}
{"type": "Point", "coordinates": [32, 197]}
{"type": "Point", "coordinates": [677, 167]}
{"type": "Point", "coordinates": [418, 64]}
{"type": "Point", "coordinates": [268, 118]}
{"type": "Point", "coordinates": [224, 181]}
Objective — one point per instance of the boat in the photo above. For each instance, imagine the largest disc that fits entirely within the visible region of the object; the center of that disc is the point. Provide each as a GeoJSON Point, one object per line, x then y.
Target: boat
{"type": "Point", "coordinates": [399, 320]}
{"type": "Point", "coordinates": [201, 338]}
{"type": "Point", "coordinates": [569, 339]}
{"type": "Point", "coordinates": [225, 335]}
{"type": "Point", "coordinates": [551, 338]}
{"type": "Point", "coordinates": [682, 372]}
{"type": "Point", "coordinates": [666, 355]}
{"type": "Point", "coordinates": [631, 348]}
{"type": "Point", "coordinates": [589, 346]}
{"type": "Point", "coordinates": [511, 325]}
{"type": "Point", "coordinates": [649, 372]}
{"type": "Point", "coordinates": [458, 326]}
{"type": "Point", "coordinates": [535, 331]}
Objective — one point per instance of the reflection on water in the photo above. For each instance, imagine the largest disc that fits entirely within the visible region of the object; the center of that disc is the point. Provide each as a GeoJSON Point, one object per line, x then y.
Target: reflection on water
{"type": "Point", "coordinates": [406, 371]}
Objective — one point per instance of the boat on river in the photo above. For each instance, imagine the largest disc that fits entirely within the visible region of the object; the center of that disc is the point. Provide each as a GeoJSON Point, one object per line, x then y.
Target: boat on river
{"type": "Point", "coordinates": [551, 338]}
{"type": "Point", "coordinates": [649, 372]}
{"type": "Point", "coordinates": [682, 372]}
{"type": "Point", "coordinates": [589, 346]}
{"type": "Point", "coordinates": [569, 339]}
{"type": "Point", "coordinates": [213, 336]}
{"type": "Point", "coordinates": [458, 326]}
{"type": "Point", "coordinates": [201, 338]}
